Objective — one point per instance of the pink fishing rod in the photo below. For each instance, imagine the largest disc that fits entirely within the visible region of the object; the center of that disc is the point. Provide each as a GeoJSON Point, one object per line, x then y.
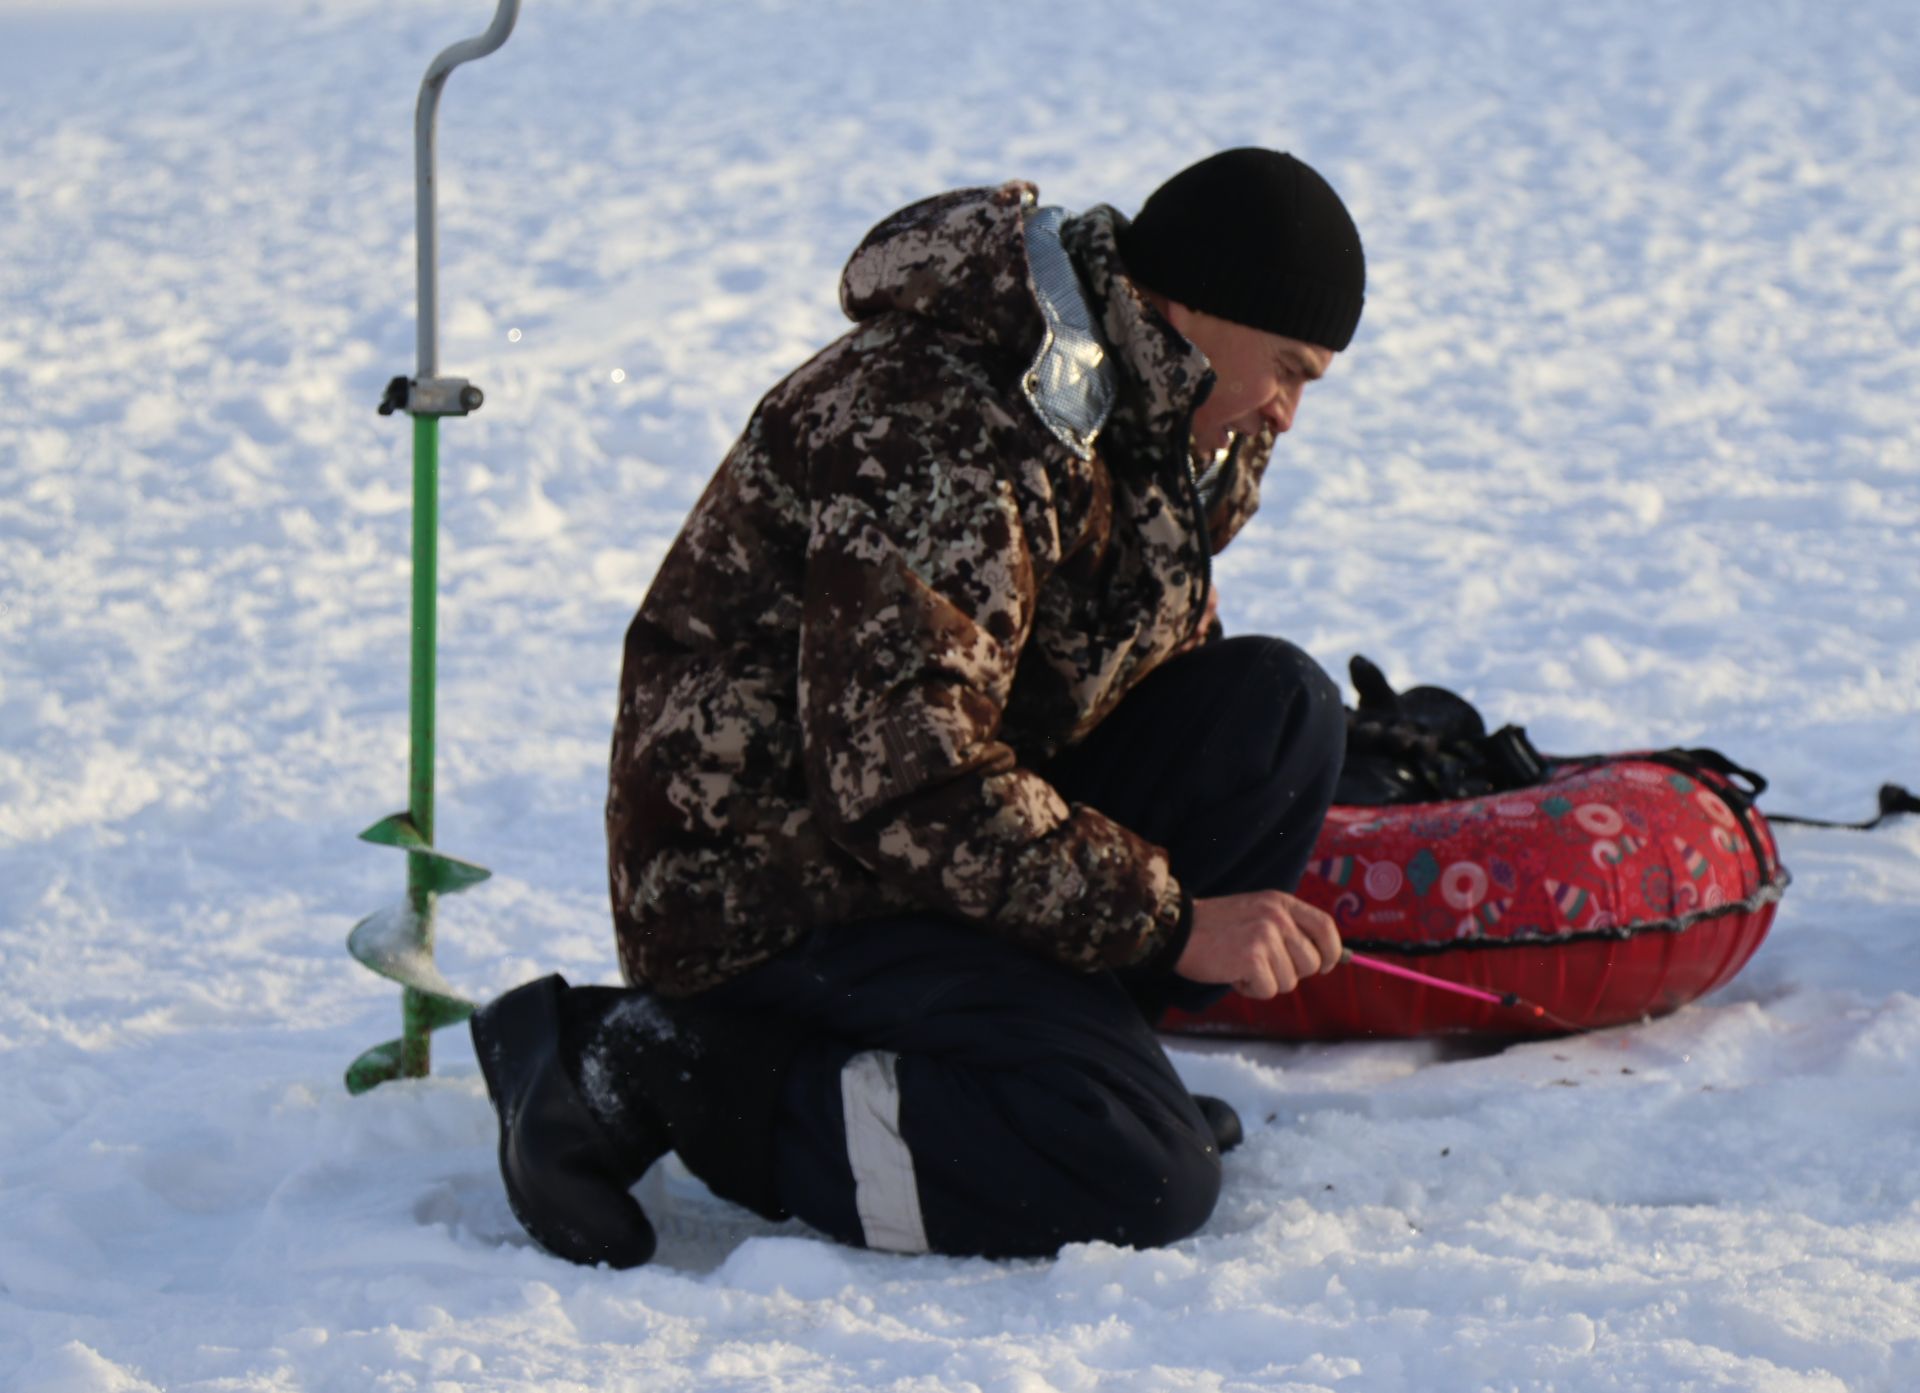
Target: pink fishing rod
{"type": "Point", "coordinates": [1507, 999]}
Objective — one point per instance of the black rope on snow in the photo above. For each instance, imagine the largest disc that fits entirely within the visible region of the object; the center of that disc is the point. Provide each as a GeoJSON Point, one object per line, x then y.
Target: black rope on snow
{"type": "Point", "coordinates": [1895, 799]}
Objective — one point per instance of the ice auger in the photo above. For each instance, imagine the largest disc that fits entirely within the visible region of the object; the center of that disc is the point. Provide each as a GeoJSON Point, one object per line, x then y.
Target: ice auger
{"type": "Point", "coordinates": [397, 942]}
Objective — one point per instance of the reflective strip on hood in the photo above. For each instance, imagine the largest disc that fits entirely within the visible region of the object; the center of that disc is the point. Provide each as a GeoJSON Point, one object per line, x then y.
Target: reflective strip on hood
{"type": "Point", "coordinates": [1072, 382]}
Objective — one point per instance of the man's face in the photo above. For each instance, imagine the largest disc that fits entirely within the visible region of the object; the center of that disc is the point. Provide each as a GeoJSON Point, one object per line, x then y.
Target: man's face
{"type": "Point", "coordinates": [1260, 376]}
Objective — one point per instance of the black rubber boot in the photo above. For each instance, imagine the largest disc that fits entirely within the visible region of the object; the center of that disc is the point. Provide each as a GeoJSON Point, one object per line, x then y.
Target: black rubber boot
{"type": "Point", "coordinates": [566, 1179]}
{"type": "Point", "coordinates": [706, 1078]}
{"type": "Point", "coordinates": [1222, 1120]}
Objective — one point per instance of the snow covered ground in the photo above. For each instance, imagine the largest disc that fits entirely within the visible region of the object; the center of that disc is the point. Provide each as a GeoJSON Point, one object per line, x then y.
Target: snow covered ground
{"type": "Point", "coordinates": [1626, 449]}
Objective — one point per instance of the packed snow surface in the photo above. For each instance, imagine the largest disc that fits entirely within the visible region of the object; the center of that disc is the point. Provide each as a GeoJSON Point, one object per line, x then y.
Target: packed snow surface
{"type": "Point", "coordinates": [1626, 449]}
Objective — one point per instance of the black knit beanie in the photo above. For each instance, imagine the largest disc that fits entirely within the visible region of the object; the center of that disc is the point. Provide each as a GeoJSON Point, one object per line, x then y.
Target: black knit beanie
{"type": "Point", "coordinates": [1257, 237]}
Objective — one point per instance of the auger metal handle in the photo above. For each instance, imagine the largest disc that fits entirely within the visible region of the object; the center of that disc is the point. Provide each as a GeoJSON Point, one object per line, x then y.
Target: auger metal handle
{"type": "Point", "coordinates": [425, 116]}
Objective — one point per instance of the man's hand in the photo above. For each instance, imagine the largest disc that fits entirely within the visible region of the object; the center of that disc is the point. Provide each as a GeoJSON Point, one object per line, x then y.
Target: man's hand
{"type": "Point", "coordinates": [1263, 943]}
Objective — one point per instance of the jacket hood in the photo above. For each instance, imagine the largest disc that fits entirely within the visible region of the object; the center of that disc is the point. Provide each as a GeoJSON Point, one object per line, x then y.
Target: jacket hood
{"type": "Point", "coordinates": [957, 259]}
{"type": "Point", "coordinates": [960, 260]}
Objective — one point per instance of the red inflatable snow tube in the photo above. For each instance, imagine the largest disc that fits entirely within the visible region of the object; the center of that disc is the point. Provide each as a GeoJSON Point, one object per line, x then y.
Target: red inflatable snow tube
{"type": "Point", "coordinates": [1616, 889]}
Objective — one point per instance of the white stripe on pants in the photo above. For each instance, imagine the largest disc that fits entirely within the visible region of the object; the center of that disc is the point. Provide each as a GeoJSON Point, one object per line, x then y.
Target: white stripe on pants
{"type": "Point", "coordinates": [886, 1194]}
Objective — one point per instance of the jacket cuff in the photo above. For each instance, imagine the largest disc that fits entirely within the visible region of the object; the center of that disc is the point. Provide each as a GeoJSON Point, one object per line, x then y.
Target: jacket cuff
{"type": "Point", "coordinates": [1160, 961]}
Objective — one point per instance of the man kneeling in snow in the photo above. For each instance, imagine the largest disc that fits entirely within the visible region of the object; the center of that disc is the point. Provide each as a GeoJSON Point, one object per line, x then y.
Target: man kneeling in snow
{"type": "Point", "coordinates": [928, 795]}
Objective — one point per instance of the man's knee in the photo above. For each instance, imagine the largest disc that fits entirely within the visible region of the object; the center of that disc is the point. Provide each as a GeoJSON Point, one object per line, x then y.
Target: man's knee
{"type": "Point", "coordinates": [1323, 715]}
{"type": "Point", "coordinates": [1129, 1162]}
{"type": "Point", "coordinates": [1283, 684]}
{"type": "Point", "coordinates": [1178, 1190]}
{"type": "Point", "coordinates": [1141, 1198]}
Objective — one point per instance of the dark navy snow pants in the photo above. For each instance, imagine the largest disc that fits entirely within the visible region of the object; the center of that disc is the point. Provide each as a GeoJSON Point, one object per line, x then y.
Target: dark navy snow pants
{"type": "Point", "coordinates": [949, 1092]}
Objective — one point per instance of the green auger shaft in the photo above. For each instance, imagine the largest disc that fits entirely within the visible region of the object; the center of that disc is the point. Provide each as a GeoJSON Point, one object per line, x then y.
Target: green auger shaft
{"type": "Point", "coordinates": [416, 1031]}
{"type": "Point", "coordinates": [397, 942]}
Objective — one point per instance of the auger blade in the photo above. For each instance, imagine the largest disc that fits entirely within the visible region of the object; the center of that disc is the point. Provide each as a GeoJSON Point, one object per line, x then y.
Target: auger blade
{"type": "Point", "coordinates": [386, 1061]}
{"type": "Point", "coordinates": [379, 1065]}
{"type": "Point", "coordinates": [394, 944]}
{"type": "Point", "coordinates": [444, 874]}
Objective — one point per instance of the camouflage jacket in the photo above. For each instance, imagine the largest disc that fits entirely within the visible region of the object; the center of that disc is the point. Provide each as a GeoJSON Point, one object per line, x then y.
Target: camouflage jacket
{"type": "Point", "coordinates": [913, 579]}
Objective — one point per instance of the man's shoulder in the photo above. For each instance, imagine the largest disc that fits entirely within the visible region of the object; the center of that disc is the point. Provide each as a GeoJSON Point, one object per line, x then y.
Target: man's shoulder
{"type": "Point", "coordinates": [902, 367]}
